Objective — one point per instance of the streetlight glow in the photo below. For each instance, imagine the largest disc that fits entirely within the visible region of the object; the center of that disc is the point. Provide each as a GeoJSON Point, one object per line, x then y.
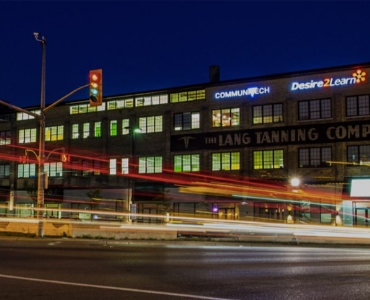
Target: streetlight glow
{"type": "Point", "coordinates": [295, 181]}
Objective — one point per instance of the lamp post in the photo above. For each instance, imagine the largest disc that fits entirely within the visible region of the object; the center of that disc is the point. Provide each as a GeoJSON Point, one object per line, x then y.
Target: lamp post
{"type": "Point", "coordinates": [41, 156]}
{"type": "Point", "coordinates": [41, 118]}
{"type": "Point", "coordinates": [133, 130]}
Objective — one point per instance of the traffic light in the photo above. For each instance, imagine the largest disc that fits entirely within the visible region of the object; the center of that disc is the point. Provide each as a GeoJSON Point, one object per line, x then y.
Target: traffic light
{"type": "Point", "coordinates": [96, 87]}
{"type": "Point", "coordinates": [64, 157]}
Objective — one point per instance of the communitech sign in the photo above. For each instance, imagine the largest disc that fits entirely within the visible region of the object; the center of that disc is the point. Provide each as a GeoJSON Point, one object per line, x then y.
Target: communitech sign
{"type": "Point", "coordinates": [251, 92]}
{"type": "Point", "coordinates": [357, 77]}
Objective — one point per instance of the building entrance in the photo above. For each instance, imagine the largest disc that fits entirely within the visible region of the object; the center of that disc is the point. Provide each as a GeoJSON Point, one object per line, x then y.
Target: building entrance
{"type": "Point", "coordinates": [361, 217]}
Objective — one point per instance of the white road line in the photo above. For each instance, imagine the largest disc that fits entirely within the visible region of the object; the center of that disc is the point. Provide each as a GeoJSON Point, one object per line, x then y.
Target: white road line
{"type": "Point", "coordinates": [110, 287]}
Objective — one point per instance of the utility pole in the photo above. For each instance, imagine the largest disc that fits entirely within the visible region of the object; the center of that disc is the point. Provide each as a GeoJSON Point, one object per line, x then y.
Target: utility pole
{"type": "Point", "coordinates": [41, 118]}
{"type": "Point", "coordinates": [41, 156]}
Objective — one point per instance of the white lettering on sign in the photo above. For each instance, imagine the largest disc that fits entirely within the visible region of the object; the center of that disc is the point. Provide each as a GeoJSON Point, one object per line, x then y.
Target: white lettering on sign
{"type": "Point", "coordinates": [357, 77]}
{"type": "Point", "coordinates": [251, 92]}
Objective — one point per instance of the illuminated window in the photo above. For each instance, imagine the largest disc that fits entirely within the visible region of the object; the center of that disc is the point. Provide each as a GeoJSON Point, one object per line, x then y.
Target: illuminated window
{"type": "Point", "coordinates": [54, 169]}
{"type": "Point", "coordinates": [54, 133]}
{"type": "Point", "coordinates": [113, 166]}
{"type": "Point", "coordinates": [357, 106]}
{"type": "Point", "coordinates": [119, 104]}
{"type": "Point", "coordinates": [187, 96]}
{"type": "Point", "coordinates": [151, 100]}
{"type": "Point", "coordinates": [268, 113]}
{"type": "Point", "coordinates": [358, 155]}
{"type": "Point", "coordinates": [268, 159]}
{"type": "Point", "coordinates": [24, 116]}
{"type": "Point", "coordinates": [151, 124]}
{"type": "Point", "coordinates": [85, 108]}
{"type": "Point", "coordinates": [97, 129]}
{"type": "Point", "coordinates": [75, 131]}
{"type": "Point", "coordinates": [186, 121]}
{"type": "Point", "coordinates": [4, 171]}
{"type": "Point", "coordinates": [26, 170]}
{"type": "Point", "coordinates": [85, 130]}
{"type": "Point", "coordinates": [314, 157]}
{"type": "Point", "coordinates": [125, 166]}
{"type": "Point", "coordinates": [5, 137]}
{"type": "Point", "coordinates": [113, 128]}
{"type": "Point", "coordinates": [225, 117]}
{"type": "Point", "coordinates": [186, 163]}
{"type": "Point", "coordinates": [27, 136]}
{"type": "Point", "coordinates": [151, 164]}
{"type": "Point", "coordinates": [226, 161]}
{"type": "Point", "coordinates": [125, 126]}
{"type": "Point", "coordinates": [314, 109]}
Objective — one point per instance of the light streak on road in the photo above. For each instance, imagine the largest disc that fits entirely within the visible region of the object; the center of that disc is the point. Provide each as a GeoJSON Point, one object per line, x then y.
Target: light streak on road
{"type": "Point", "coordinates": [204, 226]}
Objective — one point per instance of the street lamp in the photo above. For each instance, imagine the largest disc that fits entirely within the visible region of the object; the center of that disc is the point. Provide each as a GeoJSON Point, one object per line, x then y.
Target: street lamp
{"type": "Point", "coordinates": [133, 130]}
{"type": "Point", "coordinates": [41, 156]}
{"type": "Point", "coordinates": [41, 118]}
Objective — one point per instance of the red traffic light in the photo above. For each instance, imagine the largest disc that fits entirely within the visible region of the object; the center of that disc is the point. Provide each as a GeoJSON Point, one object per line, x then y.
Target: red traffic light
{"type": "Point", "coordinates": [96, 87]}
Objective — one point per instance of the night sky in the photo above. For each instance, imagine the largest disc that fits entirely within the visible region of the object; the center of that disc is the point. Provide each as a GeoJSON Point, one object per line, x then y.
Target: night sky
{"type": "Point", "coordinates": [151, 45]}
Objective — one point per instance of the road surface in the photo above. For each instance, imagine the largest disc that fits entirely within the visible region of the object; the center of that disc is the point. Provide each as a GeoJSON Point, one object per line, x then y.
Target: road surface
{"type": "Point", "coordinates": [91, 269]}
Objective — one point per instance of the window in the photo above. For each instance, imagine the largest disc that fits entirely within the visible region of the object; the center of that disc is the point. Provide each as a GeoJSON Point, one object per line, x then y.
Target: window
{"type": "Point", "coordinates": [86, 168]}
{"type": "Point", "coordinates": [314, 157]}
{"type": "Point", "coordinates": [151, 100]}
{"type": "Point", "coordinates": [125, 126]}
{"type": "Point", "coordinates": [113, 127]}
{"type": "Point", "coordinates": [269, 113]}
{"type": "Point", "coordinates": [75, 131]}
{"type": "Point", "coordinates": [85, 130]}
{"type": "Point", "coordinates": [119, 104]}
{"type": "Point", "coordinates": [188, 96]}
{"type": "Point", "coordinates": [97, 129]}
{"type": "Point", "coordinates": [54, 133]}
{"type": "Point", "coordinates": [125, 166]}
{"type": "Point", "coordinates": [24, 116]}
{"type": "Point", "coordinates": [4, 171]}
{"type": "Point", "coordinates": [186, 121]}
{"type": "Point", "coordinates": [226, 161]}
{"type": "Point", "coordinates": [5, 137]}
{"type": "Point", "coordinates": [113, 166]}
{"type": "Point", "coordinates": [76, 168]}
{"type": "Point", "coordinates": [152, 164]}
{"type": "Point", "coordinates": [314, 109]}
{"type": "Point", "coordinates": [268, 159]}
{"type": "Point", "coordinates": [358, 155]}
{"type": "Point", "coordinates": [225, 117]}
{"type": "Point", "coordinates": [96, 167]}
{"type": "Point", "coordinates": [54, 169]}
{"type": "Point", "coordinates": [85, 108]}
{"type": "Point", "coordinates": [26, 170]}
{"type": "Point", "coordinates": [27, 136]}
{"type": "Point", "coordinates": [151, 124]}
{"type": "Point", "coordinates": [357, 106]}
{"type": "Point", "coordinates": [186, 163]}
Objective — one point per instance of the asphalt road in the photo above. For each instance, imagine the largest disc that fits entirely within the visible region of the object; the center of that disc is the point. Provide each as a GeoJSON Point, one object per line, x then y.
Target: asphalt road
{"type": "Point", "coordinates": [88, 269]}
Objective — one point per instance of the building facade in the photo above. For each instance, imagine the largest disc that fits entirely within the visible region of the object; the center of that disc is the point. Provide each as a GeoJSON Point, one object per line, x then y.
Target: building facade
{"type": "Point", "coordinates": [148, 152]}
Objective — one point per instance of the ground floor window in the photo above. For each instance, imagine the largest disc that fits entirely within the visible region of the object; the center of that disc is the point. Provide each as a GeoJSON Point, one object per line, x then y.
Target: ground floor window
{"type": "Point", "coordinates": [314, 157]}
{"type": "Point", "coordinates": [268, 159]}
{"type": "Point", "coordinates": [150, 164]}
{"type": "Point", "coordinates": [186, 163]}
{"type": "Point", "coordinates": [26, 170]}
{"type": "Point", "coordinates": [226, 161]}
{"type": "Point", "coordinates": [358, 155]}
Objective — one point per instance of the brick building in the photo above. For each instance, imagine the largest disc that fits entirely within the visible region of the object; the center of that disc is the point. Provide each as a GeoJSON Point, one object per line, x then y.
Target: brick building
{"type": "Point", "coordinates": [313, 125]}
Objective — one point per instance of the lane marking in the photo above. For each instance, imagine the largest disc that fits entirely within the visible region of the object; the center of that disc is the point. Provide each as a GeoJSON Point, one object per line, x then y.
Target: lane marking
{"type": "Point", "coordinates": [107, 287]}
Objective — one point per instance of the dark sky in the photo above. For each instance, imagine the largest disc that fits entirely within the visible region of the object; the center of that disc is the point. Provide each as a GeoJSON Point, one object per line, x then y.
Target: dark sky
{"type": "Point", "coordinates": [151, 45]}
